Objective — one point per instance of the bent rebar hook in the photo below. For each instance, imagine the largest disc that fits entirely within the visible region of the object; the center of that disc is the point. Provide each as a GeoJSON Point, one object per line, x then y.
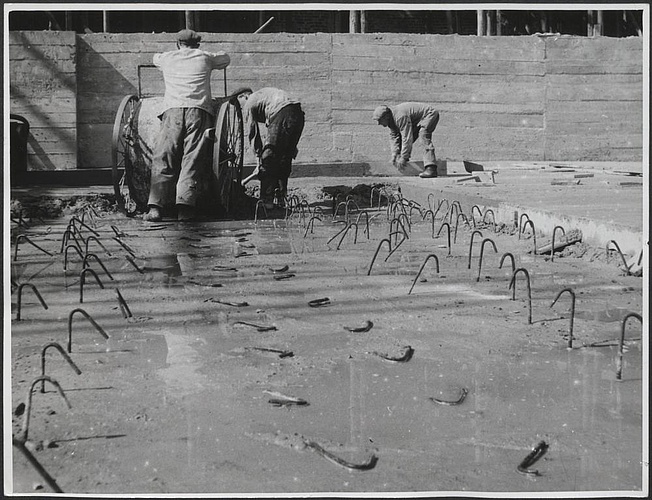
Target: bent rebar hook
{"type": "Point", "coordinates": [552, 247]}
{"type": "Point", "coordinates": [88, 240]}
{"type": "Point", "coordinates": [85, 264]}
{"type": "Point", "coordinates": [311, 225]}
{"type": "Point", "coordinates": [484, 242]}
{"type": "Point", "coordinates": [58, 347]}
{"type": "Point", "coordinates": [512, 284]}
{"type": "Point", "coordinates": [346, 230]}
{"type": "Point", "coordinates": [613, 242]}
{"type": "Point", "coordinates": [20, 294]}
{"type": "Point", "coordinates": [448, 227]}
{"type": "Point", "coordinates": [493, 218]}
{"type": "Point", "coordinates": [475, 207]}
{"type": "Point", "coordinates": [88, 317]}
{"type": "Point", "coordinates": [534, 233]}
{"type": "Point", "coordinates": [511, 257]}
{"type": "Point", "coordinates": [35, 463]}
{"type": "Point", "coordinates": [357, 221]}
{"type": "Point", "coordinates": [431, 256]}
{"type": "Point", "coordinates": [74, 219]}
{"type": "Point", "coordinates": [65, 255]}
{"type": "Point", "coordinates": [520, 223]}
{"type": "Point", "coordinates": [471, 245]}
{"type": "Point", "coordinates": [619, 360]}
{"type": "Point", "coordinates": [572, 318]}
{"type": "Point", "coordinates": [28, 405]}
{"type": "Point", "coordinates": [457, 222]}
{"type": "Point", "coordinates": [126, 312]}
{"type": "Point", "coordinates": [389, 246]}
{"type": "Point", "coordinates": [24, 237]}
{"type": "Point", "coordinates": [82, 281]}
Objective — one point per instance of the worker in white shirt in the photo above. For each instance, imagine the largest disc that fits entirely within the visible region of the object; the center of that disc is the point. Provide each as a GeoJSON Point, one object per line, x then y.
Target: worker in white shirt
{"type": "Point", "coordinates": [188, 111]}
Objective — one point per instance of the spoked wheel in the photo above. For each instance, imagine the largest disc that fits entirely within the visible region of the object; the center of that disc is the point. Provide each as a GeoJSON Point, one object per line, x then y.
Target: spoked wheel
{"type": "Point", "coordinates": [126, 178]}
{"type": "Point", "coordinates": [228, 153]}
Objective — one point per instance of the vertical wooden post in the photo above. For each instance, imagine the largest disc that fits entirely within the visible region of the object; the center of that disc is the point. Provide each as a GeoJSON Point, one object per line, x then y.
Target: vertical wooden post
{"type": "Point", "coordinates": [354, 21]}
{"type": "Point", "coordinates": [499, 22]}
{"type": "Point", "coordinates": [480, 22]}
{"type": "Point", "coordinates": [106, 26]}
{"type": "Point", "coordinates": [363, 21]}
{"type": "Point", "coordinates": [190, 21]}
{"type": "Point", "coordinates": [589, 23]}
{"type": "Point", "coordinates": [544, 21]}
{"type": "Point", "coordinates": [449, 21]}
{"type": "Point", "coordinates": [599, 27]}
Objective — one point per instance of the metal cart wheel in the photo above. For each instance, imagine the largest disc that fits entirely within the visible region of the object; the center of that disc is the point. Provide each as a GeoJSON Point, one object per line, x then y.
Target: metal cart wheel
{"type": "Point", "coordinates": [228, 153]}
{"type": "Point", "coordinates": [124, 140]}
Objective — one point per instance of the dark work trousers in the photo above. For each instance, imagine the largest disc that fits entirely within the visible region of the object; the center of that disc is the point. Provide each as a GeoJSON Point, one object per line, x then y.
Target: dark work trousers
{"type": "Point", "coordinates": [179, 161]}
{"type": "Point", "coordinates": [426, 127]}
{"type": "Point", "coordinates": [283, 134]}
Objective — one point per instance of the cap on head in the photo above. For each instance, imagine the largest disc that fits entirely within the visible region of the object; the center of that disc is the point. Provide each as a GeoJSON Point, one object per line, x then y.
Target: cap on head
{"type": "Point", "coordinates": [242, 90]}
{"type": "Point", "coordinates": [188, 37]}
{"type": "Point", "coordinates": [381, 111]}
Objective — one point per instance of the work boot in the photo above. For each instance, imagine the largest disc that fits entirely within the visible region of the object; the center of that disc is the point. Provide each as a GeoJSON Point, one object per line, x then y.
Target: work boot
{"type": "Point", "coordinates": [429, 172]}
{"type": "Point", "coordinates": [185, 213]}
{"type": "Point", "coordinates": [153, 214]}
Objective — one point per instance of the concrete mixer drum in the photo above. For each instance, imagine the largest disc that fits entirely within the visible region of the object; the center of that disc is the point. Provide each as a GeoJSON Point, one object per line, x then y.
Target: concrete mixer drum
{"type": "Point", "coordinates": [135, 131]}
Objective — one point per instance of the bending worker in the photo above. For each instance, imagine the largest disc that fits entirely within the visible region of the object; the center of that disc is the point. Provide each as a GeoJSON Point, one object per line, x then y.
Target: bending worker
{"type": "Point", "coordinates": [407, 122]}
{"type": "Point", "coordinates": [284, 118]}
{"type": "Point", "coordinates": [179, 162]}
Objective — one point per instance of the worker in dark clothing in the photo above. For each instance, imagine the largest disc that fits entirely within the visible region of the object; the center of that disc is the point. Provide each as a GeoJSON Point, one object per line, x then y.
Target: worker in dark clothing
{"type": "Point", "coordinates": [178, 165]}
{"type": "Point", "coordinates": [407, 122]}
{"type": "Point", "coordinates": [284, 118]}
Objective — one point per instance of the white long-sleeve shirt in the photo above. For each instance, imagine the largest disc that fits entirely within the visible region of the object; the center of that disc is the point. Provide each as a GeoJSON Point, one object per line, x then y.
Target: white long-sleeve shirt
{"type": "Point", "coordinates": [187, 75]}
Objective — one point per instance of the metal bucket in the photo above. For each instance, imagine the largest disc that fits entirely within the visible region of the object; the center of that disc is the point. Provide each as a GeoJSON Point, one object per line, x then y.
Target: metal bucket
{"type": "Point", "coordinates": [18, 135]}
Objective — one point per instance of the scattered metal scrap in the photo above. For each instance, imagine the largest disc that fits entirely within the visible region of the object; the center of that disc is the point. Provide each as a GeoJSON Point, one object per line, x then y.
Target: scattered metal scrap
{"type": "Point", "coordinates": [278, 399]}
{"type": "Point", "coordinates": [319, 302]}
{"type": "Point", "coordinates": [282, 277]}
{"type": "Point", "coordinates": [368, 464]}
{"type": "Point", "coordinates": [537, 452]}
{"type": "Point", "coordinates": [260, 328]}
{"type": "Point", "coordinates": [368, 325]}
{"type": "Point", "coordinates": [406, 356]}
{"type": "Point", "coordinates": [282, 353]}
{"type": "Point", "coordinates": [226, 303]}
{"type": "Point", "coordinates": [459, 401]}
{"type": "Point", "coordinates": [300, 443]}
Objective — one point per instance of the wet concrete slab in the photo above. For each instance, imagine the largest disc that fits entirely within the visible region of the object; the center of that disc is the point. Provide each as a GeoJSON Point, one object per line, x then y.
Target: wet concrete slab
{"type": "Point", "coordinates": [177, 400]}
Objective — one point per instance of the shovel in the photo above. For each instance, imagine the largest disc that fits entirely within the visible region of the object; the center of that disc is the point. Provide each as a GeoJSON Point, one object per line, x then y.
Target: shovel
{"type": "Point", "coordinates": [253, 176]}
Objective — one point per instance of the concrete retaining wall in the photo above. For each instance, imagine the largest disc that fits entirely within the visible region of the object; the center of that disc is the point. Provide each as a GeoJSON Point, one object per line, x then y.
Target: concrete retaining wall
{"type": "Point", "coordinates": [43, 89]}
{"type": "Point", "coordinates": [501, 98]}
